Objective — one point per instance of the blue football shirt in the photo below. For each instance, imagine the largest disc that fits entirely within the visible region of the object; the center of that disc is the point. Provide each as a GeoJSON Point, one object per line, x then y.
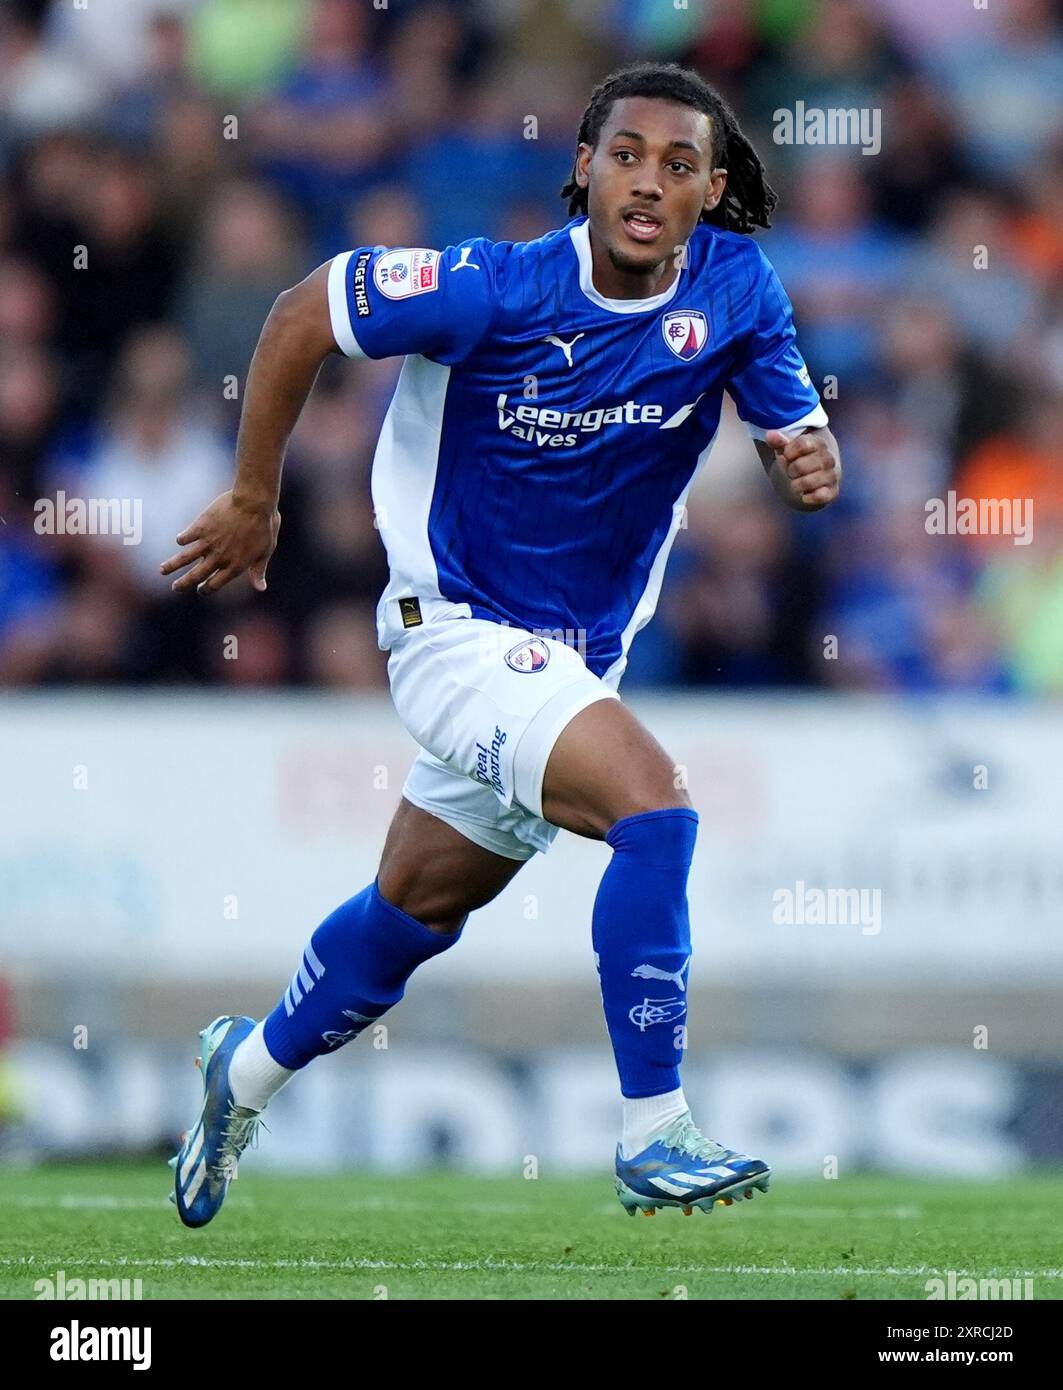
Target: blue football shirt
{"type": "Point", "coordinates": [536, 457]}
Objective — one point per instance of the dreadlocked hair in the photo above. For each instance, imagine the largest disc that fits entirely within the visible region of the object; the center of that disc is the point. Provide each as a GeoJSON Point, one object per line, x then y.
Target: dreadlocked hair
{"type": "Point", "coordinates": [748, 200]}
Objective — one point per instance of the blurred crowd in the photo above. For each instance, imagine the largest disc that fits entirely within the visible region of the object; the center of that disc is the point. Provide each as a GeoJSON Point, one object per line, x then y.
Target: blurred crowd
{"type": "Point", "coordinates": [167, 167]}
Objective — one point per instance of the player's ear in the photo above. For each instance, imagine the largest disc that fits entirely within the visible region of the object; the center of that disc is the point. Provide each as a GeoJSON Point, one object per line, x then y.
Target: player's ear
{"type": "Point", "coordinates": [715, 190]}
{"type": "Point", "coordinates": [584, 155]}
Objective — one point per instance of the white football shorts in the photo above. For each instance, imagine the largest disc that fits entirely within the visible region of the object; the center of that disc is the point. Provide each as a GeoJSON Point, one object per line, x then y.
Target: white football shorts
{"type": "Point", "coordinates": [487, 703]}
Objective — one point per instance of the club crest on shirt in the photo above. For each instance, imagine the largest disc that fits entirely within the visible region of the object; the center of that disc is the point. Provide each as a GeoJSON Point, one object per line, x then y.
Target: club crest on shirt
{"type": "Point", "coordinates": [400, 274]}
{"type": "Point", "coordinates": [528, 656]}
{"type": "Point", "coordinates": [686, 332]}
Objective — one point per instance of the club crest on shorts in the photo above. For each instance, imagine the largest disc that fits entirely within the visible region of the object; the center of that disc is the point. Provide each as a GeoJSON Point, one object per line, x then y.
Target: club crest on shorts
{"type": "Point", "coordinates": [686, 332]}
{"type": "Point", "coordinates": [530, 655]}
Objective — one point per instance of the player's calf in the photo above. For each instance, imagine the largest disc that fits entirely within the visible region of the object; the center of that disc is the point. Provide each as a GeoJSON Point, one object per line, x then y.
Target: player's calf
{"type": "Point", "coordinates": [608, 776]}
{"type": "Point", "coordinates": [640, 930]}
{"type": "Point", "coordinates": [354, 968]}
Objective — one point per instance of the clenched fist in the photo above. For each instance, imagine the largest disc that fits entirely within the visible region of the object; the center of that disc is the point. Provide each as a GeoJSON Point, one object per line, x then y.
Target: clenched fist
{"type": "Point", "coordinates": [807, 471]}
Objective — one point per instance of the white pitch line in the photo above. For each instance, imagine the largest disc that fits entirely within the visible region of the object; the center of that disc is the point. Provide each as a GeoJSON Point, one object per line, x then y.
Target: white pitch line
{"type": "Point", "coordinates": [73, 1201]}
{"type": "Point", "coordinates": [521, 1267]}
{"type": "Point", "coordinates": [839, 1213]}
{"type": "Point", "coordinates": [482, 1208]}
{"type": "Point", "coordinates": [97, 1203]}
{"type": "Point", "coordinates": [106, 1202]}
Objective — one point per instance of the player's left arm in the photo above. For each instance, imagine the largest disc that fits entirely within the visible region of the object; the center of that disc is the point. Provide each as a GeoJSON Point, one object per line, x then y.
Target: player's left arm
{"type": "Point", "coordinates": [805, 471]}
{"type": "Point", "coordinates": [773, 391]}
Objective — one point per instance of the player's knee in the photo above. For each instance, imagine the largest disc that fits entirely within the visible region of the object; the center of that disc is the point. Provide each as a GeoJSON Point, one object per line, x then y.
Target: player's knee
{"type": "Point", "coordinates": [657, 794]}
{"type": "Point", "coordinates": [664, 796]}
{"type": "Point", "coordinates": [436, 919]}
{"type": "Point", "coordinates": [442, 922]}
{"type": "Point", "coordinates": [659, 835]}
{"type": "Point", "coordinates": [434, 906]}
{"type": "Point", "coordinates": [597, 820]}
{"type": "Point", "coordinates": [440, 902]}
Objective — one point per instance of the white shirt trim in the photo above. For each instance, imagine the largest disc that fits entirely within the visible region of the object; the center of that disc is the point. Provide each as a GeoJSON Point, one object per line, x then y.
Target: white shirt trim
{"type": "Point", "coordinates": [647, 604]}
{"type": "Point", "coordinates": [337, 306]}
{"type": "Point", "coordinates": [815, 419]}
{"type": "Point", "coordinates": [581, 240]}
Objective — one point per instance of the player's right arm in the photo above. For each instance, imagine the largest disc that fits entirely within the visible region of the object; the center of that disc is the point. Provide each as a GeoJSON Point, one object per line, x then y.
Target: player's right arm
{"type": "Point", "coordinates": [237, 532]}
{"type": "Point", "coordinates": [372, 302]}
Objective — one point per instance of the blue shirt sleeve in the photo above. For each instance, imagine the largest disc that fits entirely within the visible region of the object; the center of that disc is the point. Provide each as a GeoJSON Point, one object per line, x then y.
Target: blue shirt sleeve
{"type": "Point", "coordinates": [390, 302]}
{"type": "Point", "coordinates": [770, 384]}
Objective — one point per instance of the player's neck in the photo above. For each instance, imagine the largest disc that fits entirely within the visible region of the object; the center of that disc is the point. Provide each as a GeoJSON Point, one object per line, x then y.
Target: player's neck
{"type": "Point", "coordinates": [613, 282]}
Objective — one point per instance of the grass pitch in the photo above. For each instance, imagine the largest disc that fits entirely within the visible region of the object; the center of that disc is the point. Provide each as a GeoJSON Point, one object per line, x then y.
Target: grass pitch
{"type": "Point", "coordinates": [444, 1235]}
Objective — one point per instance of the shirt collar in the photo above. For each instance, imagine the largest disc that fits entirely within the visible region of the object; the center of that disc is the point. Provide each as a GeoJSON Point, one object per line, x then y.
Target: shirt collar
{"type": "Point", "coordinates": [581, 240]}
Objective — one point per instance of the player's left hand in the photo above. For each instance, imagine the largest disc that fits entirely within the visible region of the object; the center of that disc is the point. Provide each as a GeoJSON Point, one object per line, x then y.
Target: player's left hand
{"type": "Point", "coordinates": [811, 466]}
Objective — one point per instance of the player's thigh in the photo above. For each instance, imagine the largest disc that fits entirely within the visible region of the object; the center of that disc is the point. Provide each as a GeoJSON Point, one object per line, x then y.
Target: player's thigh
{"type": "Point", "coordinates": [488, 701]}
{"type": "Point", "coordinates": [604, 766]}
{"type": "Point", "coordinates": [436, 874]}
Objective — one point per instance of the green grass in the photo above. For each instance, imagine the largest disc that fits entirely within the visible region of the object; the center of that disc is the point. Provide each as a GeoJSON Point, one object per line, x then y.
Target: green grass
{"type": "Point", "coordinates": [441, 1235]}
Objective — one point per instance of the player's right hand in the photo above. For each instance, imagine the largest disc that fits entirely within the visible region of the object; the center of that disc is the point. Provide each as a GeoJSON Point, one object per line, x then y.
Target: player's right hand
{"type": "Point", "coordinates": [225, 540]}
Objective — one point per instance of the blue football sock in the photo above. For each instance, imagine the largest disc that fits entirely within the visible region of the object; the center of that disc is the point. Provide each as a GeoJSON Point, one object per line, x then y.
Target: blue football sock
{"type": "Point", "coordinates": [641, 935]}
{"type": "Point", "coordinates": [354, 969]}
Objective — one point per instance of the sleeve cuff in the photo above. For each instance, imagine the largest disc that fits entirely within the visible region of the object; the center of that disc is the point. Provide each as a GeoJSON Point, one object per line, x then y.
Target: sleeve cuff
{"type": "Point", "coordinates": [337, 307]}
{"type": "Point", "coordinates": [815, 419]}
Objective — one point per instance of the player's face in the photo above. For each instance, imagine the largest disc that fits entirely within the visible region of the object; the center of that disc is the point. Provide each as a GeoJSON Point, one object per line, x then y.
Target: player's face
{"type": "Point", "coordinates": [648, 180]}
